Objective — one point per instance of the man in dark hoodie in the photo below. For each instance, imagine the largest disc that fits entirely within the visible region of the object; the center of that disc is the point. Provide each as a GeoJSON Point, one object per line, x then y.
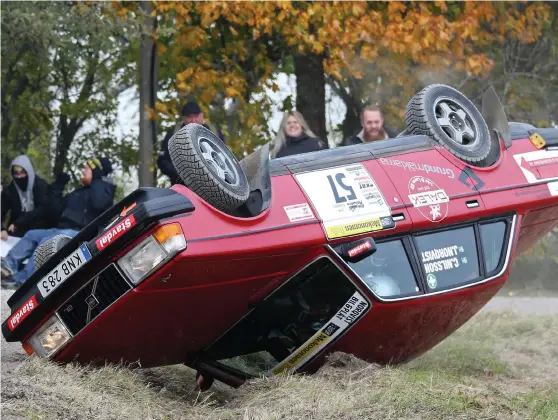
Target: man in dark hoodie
{"type": "Point", "coordinates": [22, 199]}
{"type": "Point", "coordinates": [191, 113]}
{"type": "Point", "coordinates": [76, 210]}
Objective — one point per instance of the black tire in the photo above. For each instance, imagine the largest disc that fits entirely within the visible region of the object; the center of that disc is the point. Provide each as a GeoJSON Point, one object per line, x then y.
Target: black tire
{"type": "Point", "coordinates": [46, 250]}
{"type": "Point", "coordinates": [446, 115]}
{"type": "Point", "coordinates": [189, 152]}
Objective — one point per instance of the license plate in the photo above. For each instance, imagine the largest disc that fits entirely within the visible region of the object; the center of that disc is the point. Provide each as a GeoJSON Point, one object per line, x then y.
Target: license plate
{"type": "Point", "coordinates": [64, 270]}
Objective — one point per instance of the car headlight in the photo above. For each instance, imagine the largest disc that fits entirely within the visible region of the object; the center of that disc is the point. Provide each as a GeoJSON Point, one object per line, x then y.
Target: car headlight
{"type": "Point", "coordinates": [150, 253]}
{"type": "Point", "coordinates": [50, 338]}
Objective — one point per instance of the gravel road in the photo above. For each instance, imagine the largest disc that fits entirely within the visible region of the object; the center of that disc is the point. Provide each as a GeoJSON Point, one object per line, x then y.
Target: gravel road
{"type": "Point", "coordinates": [524, 305]}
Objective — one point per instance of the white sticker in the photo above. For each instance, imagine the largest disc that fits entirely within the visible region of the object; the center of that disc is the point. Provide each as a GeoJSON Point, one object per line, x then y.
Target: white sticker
{"type": "Point", "coordinates": [442, 259]}
{"type": "Point", "coordinates": [298, 212]}
{"type": "Point", "coordinates": [553, 187]}
{"type": "Point", "coordinates": [538, 166]}
{"type": "Point", "coordinates": [431, 280]}
{"type": "Point", "coordinates": [428, 198]}
{"type": "Point", "coordinates": [346, 198]}
{"type": "Point", "coordinates": [354, 309]}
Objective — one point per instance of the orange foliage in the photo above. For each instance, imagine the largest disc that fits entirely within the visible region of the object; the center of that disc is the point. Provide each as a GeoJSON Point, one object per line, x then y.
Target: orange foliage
{"type": "Point", "coordinates": [218, 46]}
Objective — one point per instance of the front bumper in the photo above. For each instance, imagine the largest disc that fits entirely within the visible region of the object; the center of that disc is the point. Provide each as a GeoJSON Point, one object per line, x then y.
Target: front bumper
{"type": "Point", "coordinates": [147, 206]}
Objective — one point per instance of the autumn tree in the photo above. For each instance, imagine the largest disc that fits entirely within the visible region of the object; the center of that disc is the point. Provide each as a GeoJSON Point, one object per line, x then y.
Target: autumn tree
{"type": "Point", "coordinates": [227, 52]}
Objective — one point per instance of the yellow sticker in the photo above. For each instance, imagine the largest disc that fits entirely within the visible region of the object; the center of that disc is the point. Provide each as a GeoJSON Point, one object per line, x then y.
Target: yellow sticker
{"type": "Point", "coordinates": [348, 229]}
{"type": "Point", "coordinates": [302, 353]}
{"type": "Point", "coordinates": [537, 140]}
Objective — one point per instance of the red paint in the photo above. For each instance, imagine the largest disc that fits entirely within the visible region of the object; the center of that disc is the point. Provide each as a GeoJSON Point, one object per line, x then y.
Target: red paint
{"type": "Point", "coordinates": [115, 232]}
{"type": "Point", "coordinates": [22, 312]}
{"type": "Point", "coordinates": [232, 262]}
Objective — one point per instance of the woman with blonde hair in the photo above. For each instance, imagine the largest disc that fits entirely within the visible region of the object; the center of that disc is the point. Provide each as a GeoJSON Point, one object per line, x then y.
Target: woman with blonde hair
{"type": "Point", "coordinates": [294, 137]}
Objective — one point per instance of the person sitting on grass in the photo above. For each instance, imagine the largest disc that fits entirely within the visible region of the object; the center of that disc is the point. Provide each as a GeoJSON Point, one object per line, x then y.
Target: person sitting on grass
{"type": "Point", "coordinates": [76, 210]}
{"type": "Point", "coordinates": [22, 199]}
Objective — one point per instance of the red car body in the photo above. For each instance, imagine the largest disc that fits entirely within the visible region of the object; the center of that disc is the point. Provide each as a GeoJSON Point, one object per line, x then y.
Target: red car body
{"type": "Point", "coordinates": [231, 264]}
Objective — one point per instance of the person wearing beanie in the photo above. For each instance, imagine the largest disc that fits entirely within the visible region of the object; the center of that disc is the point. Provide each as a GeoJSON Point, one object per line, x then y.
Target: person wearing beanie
{"type": "Point", "coordinates": [75, 211]}
{"type": "Point", "coordinates": [191, 113]}
{"type": "Point", "coordinates": [21, 198]}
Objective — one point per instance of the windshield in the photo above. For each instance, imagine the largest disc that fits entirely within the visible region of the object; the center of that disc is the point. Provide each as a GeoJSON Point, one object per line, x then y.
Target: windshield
{"type": "Point", "coordinates": [294, 324]}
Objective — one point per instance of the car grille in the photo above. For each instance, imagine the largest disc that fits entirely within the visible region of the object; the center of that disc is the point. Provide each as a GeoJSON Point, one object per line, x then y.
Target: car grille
{"type": "Point", "coordinates": [97, 295]}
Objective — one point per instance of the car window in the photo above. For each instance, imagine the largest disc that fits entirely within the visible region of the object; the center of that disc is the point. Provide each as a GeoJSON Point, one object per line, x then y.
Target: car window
{"type": "Point", "coordinates": [492, 235]}
{"type": "Point", "coordinates": [294, 323]}
{"type": "Point", "coordinates": [388, 272]}
{"type": "Point", "coordinates": [449, 258]}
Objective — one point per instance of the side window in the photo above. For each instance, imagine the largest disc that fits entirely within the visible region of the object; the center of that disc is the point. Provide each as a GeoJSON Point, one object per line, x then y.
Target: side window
{"type": "Point", "coordinates": [492, 236]}
{"type": "Point", "coordinates": [388, 272]}
{"type": "Point", "coordinates": [449, 258]}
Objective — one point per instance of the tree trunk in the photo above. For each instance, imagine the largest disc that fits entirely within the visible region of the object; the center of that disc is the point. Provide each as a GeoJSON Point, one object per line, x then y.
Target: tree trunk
{"type": "Point", "coordinates": [146, 132]}
{"type": "Point", "coordinates": [310, 92]}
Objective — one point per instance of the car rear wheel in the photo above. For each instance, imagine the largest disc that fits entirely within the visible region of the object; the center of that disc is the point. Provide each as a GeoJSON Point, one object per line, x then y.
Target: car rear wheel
{"type": "Point", "coordinates": [207, 167]}
{"type": "Point", "coordinates": [46, 250]}
{"type": "Point", "coordinates": [446, 115]}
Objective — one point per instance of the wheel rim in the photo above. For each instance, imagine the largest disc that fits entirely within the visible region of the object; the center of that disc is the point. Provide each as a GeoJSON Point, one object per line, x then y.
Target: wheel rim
{"type": "Point", "coordinates": [456, 122]}
{"type": "Point", "coordinates": [220, 164]}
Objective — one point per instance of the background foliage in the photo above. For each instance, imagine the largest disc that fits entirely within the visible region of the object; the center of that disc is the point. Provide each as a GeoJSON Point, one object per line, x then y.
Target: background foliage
{"type": "Point", "coordinates": [65, 66]}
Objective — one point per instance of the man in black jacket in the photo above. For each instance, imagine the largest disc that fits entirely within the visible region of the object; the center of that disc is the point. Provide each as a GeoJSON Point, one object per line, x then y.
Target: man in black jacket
{"type": "Point", "coordinates": [372, 122]}
{"type": "Point", "coordinates": [76, 210]}
{"type": "Point", "coordinates": [191, 113]}
{"type": "Point", "coordinates": [23, 198]}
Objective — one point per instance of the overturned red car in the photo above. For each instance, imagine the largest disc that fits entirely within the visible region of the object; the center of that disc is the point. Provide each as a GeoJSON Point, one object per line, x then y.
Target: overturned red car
{"type": "Point", "coordinates": [263, 267]}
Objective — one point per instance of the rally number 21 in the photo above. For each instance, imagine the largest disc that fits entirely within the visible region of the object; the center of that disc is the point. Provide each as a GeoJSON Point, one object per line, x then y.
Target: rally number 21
{"type": "Point", "coordinates": [347, 192]}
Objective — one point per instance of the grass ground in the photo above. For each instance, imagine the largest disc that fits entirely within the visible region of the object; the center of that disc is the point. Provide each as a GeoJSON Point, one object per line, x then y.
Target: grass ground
{"type": "Point", "coordinates": [497, 366]}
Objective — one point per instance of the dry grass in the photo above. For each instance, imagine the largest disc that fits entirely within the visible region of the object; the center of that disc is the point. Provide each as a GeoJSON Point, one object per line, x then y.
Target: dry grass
{"type": "Point", "coordinates": [498, 366]}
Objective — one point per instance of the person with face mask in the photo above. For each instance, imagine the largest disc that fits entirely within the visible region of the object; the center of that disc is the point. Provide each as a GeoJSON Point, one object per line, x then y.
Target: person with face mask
{"type": "Point", "coordinates": [76, 210]}
{"type": "Point", "coordinates": [22, 198]}
{"type": "Point", "coordinates": [372, 122]}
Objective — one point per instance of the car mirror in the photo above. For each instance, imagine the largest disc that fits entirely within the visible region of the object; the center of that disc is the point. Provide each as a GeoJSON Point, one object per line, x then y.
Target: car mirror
{"type": "Point", "coordinates": [356, 251]}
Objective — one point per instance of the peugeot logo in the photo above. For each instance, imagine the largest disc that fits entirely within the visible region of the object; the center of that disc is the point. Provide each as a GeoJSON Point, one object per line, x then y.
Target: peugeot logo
{"type": "Point", "coordinates": [91, 301]}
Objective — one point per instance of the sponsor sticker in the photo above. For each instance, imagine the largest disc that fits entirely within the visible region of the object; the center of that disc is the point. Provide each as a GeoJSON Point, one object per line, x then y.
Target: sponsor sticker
{"type": "Point", "coordinates": [345, 197]}
{"type": "Point", "coordinates": [348, 229]}
{"type": "Point", "coordinates": [353, 310]}
{"type": "Point", "coordinates": [299, 212]}
{"type": "Point", "coordinates": [553, 188]}
{"type": "Point", "coordinates": [414, 167]}
{"type": "Point", "coordinates": [428, 198]}
{"type": "Point", "coordinates": [538, 166]}
{"type": "Point", "coordinates": [431, 280]}
{"type": "Point", "coordinates": [115, 232]}
{"type": "Point", "coordinates": [22, 312]}
{"type": "Point", "coordinates": [359, 249]}
{"type": "Point", "coordinates": [442, 259]}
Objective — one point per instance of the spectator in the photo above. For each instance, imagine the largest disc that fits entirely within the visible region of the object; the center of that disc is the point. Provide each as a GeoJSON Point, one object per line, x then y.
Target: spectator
{"type": "Point", "coordinates": [22, 198]}
{"type": "Point", "coordinates": [372, 122]}
{"type": "Point", "coordinates": [191, 113]}
{"type": "Point", "coordinates": [76, 210]}
{"type": "Point", "coordinates": [295, 137]}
